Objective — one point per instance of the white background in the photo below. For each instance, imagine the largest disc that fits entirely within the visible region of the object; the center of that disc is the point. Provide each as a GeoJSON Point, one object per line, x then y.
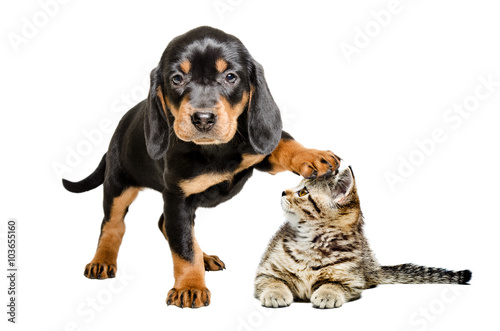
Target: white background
{"type": "Point", "coordinates": [88, 59]}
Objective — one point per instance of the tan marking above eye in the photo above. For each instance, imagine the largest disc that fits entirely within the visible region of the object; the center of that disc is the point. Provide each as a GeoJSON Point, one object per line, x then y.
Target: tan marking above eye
{"type": "Point", "coordinates": [220, 65]}
{"type": "Point", "coordinates": [185, 66]}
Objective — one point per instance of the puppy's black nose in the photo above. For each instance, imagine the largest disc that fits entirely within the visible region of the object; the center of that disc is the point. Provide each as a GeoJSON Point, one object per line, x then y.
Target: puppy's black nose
{"type": "Point", "coordinates": [203, 121]}
{"type": "Point", "coordinates": [283, 194]}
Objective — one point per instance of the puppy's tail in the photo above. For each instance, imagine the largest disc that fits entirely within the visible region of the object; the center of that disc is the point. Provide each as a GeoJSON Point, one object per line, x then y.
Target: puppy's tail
{"type": "Point", "coordinates": [415, 274]}
{"type": "Point", "coordinates": [91, 182]}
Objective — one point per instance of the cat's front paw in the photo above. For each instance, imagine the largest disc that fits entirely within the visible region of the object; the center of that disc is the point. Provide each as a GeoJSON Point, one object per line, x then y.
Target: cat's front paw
{"type": "Point", "coordinates": [276, 298]}
{"type": "Point", "coordinates": [327, 297]}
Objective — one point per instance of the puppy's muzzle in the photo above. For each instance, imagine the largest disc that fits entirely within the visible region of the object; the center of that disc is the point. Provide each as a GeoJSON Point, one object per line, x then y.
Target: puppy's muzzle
{"type": "Point", "coordinates": [203, 121]}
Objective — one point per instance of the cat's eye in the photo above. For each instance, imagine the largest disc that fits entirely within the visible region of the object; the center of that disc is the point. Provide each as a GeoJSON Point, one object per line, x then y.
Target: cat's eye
{"type": "Point", "coordinates": [303, 192]}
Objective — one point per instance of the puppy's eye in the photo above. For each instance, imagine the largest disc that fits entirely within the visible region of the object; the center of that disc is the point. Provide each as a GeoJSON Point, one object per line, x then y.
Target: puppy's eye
{"type": "Point", "coordinates": [303, 192]}
{"type": "Point", "coordinates": [177, 80]}
{"type": "Point", "coordinates": [231, 78]}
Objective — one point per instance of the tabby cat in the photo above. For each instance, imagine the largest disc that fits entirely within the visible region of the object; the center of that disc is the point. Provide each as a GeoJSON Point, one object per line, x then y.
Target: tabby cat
{"type": "Point", "coordinates": [321, 255]}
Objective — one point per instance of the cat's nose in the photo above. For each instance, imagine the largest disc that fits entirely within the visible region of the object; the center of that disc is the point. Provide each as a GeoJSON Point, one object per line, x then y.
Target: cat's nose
{"type": "Point", "coordinates": [283, 194]}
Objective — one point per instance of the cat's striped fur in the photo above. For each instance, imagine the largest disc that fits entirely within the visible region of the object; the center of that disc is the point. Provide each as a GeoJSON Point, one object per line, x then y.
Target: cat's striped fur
{"type": "Point", "coordinates": [321, 255]}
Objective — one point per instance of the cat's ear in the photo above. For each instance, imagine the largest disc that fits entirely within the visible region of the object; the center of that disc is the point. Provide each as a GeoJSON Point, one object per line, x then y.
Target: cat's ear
{"type": "Point", "coordinates": [344, 186]}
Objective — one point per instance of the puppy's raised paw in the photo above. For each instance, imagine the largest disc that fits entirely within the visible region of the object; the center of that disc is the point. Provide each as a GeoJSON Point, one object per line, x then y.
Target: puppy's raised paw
{"type": "Point", "coordinates": [313, 163]}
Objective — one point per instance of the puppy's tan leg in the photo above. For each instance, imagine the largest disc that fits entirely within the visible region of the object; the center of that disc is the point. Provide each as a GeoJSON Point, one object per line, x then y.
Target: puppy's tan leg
{"type": "Point", "coordinates": [103, 265]}
{"type": "Point", "coordinates": [189, 288]}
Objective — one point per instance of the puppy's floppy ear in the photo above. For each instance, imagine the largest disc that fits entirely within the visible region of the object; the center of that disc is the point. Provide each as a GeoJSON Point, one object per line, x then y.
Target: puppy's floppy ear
{"type": "Point", "coordinates": [264, 119]}
{"type": "Point", "coordinates": [156, 128]}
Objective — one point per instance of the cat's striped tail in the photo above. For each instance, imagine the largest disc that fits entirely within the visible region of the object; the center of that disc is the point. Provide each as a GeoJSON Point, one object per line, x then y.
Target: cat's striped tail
{"type": "Point", "coordinates": [415, 274]}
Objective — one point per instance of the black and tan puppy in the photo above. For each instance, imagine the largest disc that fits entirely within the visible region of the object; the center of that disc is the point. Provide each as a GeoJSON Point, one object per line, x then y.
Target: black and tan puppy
{"type": "Point", "coordinates": [208, 121]}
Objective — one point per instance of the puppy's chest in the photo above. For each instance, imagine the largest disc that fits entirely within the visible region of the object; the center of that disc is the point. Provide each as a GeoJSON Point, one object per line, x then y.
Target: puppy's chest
{"type": "Point", "coordinates": [198, 183]}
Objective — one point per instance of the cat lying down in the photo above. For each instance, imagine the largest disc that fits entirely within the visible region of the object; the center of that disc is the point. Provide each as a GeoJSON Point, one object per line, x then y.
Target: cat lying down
{"type": "Point", "coordinates": [321, 255]}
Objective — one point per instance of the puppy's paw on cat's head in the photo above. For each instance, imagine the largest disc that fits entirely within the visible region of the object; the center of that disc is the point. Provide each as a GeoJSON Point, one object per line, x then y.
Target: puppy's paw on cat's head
{"type": "Point", "coordinates": [327, 297]}
{"type": "Point", "coordinates": [276, 298]}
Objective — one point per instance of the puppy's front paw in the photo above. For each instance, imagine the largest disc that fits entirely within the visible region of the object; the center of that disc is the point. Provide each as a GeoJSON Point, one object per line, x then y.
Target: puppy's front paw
{"type": "Point", "coordinates": [100, 270]}
{"type": "Point", "coordinates": [313, 163]}
{"type": "Point", "coordinates": [276, 298]}
{"type": "Point", "coordinates": [189, 297]}
{"type": "Point", "coordinates": [327, 297]}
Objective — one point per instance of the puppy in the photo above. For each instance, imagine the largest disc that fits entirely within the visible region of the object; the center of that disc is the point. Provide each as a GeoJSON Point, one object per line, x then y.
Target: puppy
{"type": "Point", "coordinates": [208, 121]}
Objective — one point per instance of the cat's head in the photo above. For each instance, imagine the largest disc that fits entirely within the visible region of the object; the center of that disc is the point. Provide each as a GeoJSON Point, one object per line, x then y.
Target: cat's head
{"type": "Point", "coordinates": [317, 199]}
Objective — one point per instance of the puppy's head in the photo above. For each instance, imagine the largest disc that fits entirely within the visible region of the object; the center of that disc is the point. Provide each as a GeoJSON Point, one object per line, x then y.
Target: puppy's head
{"type": "Point", "coordinates": [205, 81]}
